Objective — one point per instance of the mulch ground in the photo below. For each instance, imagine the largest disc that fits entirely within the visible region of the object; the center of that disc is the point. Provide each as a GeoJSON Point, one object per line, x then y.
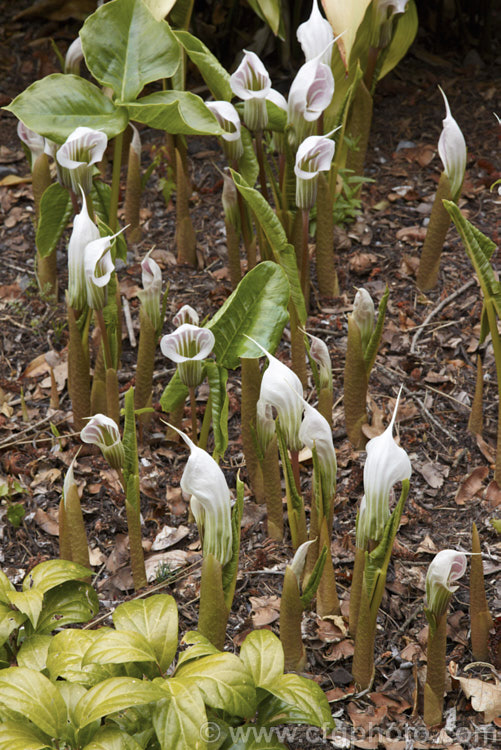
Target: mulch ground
{"type": "Point", "coordinates": [429, 347]}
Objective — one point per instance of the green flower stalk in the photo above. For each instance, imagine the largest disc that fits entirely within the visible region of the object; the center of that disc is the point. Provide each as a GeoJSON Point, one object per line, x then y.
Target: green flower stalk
{"type": "Point", "coordinates": [293, 603]}
{"type": "Point", "coordinates": [452, 151]}
{"type": "Point", "coordinates": [186, 240]}
{"type": "Point", "coordinates": [133, 188]}
{"type": "Point", "coordinates": [386, 464]}
{"type": "Point", "coordinates": [72, 536]}
{"type": "Point", "coordinates": [233, 226]}
{"type": "Point", "coordinates": [480, 618]}
{"type": "Point", "coordinates": [363, 342]}
{"type": "Point", "coordinates": [219, 530]}
{"type": "Point", "coordinates": [446, 568]}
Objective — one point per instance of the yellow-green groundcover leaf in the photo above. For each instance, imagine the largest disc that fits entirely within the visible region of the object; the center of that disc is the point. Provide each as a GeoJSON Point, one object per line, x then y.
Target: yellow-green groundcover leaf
{"type": "Point", "coordinates": [118, 647]}
{"type": "Point", "coordinates": [30, 693]}
{"type": "Point", "coordinates": [180, 717]}
{"type": "Point", "coordinates": [16, 737]}
{"type": "Point", "coordinates": [115, 694]}
{"type": "Point", "coordinates": [263, 655]}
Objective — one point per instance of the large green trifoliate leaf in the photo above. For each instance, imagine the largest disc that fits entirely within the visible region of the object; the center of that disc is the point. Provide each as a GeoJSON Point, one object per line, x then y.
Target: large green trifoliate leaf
{"type": "Point", "coordinates": [257, 308]}
{"type": "Point", "coordinates": [176, 112]}
{"type": "Point", "coordinates": [159, 8]}
{"type": "Point", "coordinates": [115, 694]}
{"type": "Point", "coordinates": [73, 601]}
{"type": "Point", "coordinates": [55, 212]}
{"type": "Point", "coordinates": [125, 47]}
{"type": "Point", "coordinates": [269, 11]}
{"type": "Point", "coordinates": [14, 736]}
{"type": "Point", "coordinates": [405, 29]}
{"type": "Point", "coordinates": [179, 718]}
{"type": "Point", "coordinates": [58, 104]}
{"type": "Point", "coordinates": [32, 694]}
{"type": "Point", "coordinates": [217, 376]}
{"type": "Point", "coordinates": [175, 393]}
{"type": "Point", "coordinates": [263, 655]}
{"type": "Point", "coordinates": [283, 252]}
{"type": "Point", "coordinates": [154, 618]}
{"type": "Point", "coordinates": [118, 647]}
{"type": "Point", "coordinates": [211, 70]}
{"type": "Point", "coordinates": [296, 700]}
{"type": "Point", "coordinates": [224, 681]}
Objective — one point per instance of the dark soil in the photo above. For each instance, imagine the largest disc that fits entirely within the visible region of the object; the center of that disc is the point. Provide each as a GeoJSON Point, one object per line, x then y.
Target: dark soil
{"type": "Point", "coordinates": [435, 363]}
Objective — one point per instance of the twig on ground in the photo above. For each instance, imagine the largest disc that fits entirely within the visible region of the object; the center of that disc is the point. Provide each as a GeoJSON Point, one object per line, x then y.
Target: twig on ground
{"type": "Point", "coordinates": [437, 309]}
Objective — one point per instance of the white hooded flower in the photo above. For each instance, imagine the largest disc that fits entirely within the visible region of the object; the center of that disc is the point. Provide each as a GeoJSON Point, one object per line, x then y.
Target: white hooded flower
{"type": "Point", "coordinates": [251, 83]}
{"type": "Point", "coordinates": [103, 431]}
{"type": "Point", "coordinates": [265, 423]}
{"type": "Point", "coordinates": [445, 568]}
{"type": "Point", "coordinates": [76, 157]}
{"type": "Point", "coordinates": [280, 388]}
{"type": "Point", "coordinates": [299, 560]}
{"type": "Point", "coordinates": [83, 234]}
{"type": "Point", "coordinates": [385, 12]}
{"type": "Point", "coordinates": [315, 36]}
{"type": "Point", "coordinates": [310, 94]}
{"type": "Point", "coordinates": [186, 314]}
{"type": "Point", "coordinates": [315, 432]}
{"type": "Point", "coordinates": [35, 142]}
{"type": "Point", "coordinates": [228, 118]}
{"type": "Point", "coordinates": [188, 346]}
{"type": "Point", "coordinates": [386, 464]}
{"type": "Point", "coordinates": [313, 156]}
{"type": "Point", "coordinates": [74, 57]}
{"type": "Point", "coordinates": [98, 267]}
{"type": "Point", "coordinates": [152, 289]}
{"type": "Point", "coordinates": [452, 151]}
{"type": "Point", "coordinates": [210, 501]}
{"type": "Point", "coordinates": [319, 353]}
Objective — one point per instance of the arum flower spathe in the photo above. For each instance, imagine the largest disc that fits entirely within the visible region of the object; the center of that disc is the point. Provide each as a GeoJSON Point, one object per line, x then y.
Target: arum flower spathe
{"type": "Point", "coordinates": [188, 346]}
{"type": "Point", "coordinates": [228, 118]}
{"type": "Point", "coordinates": [280, 389]}
{"type": "Point", "coordinates": [74, 57]}
{"type": "Point", "coordinates": [186, 314]}
{"type": "Point", "coordinates": [315, 432]}
{"type": "Point", "coordinates": [98, 267]}
{"type": "Point", "coordinates": [299, 560]}
{"type": "Point", "coordinates": [446, 567]}
{"type": "Point", "coordinates": [320, 355]}
{"type": "Point", "coordinates": [386, 464]}
{"type": "Point", "coordinates": [313, 156]}
{"type": "Point", "coordinates": [34, 142]}
{"type": "Point", "coordinates": [152, 289]}
{"type": "Point", "coordinates": [364, 315]}
{"type": "Point", "coordinates": [251, 83]}
{"type": "Point", "coordinates": [310, 94]}
{"type": "Point", "coordinates": [83, 234]}
{"type": "Point", "coordinates": [76, 157]}
{"type": "Point", "coordinates": [210, 501]}
{"type": "Point", "coordinates": [452, 150]}
{"type": "Point", "coordinates": [315, 36]}
{"type": "Point", "coordinates": [103, 431]}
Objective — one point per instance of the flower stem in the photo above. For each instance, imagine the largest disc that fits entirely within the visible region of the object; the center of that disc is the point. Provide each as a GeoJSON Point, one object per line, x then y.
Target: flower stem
{"type": "Point", "coordinates": [115, 182]}
{"type": "Point", "coordinates": [104, 337]}
{"type": "Point", "coordinates": [260, 160]}
{"type": "Point", "coordinates": [204, 430]}
{"type": "Point", "coordinates": [305, 258]}
{"type": "Point", "coordinates": [194, 422]}
{"type": "Point", "coordinates": [435, 673]}
{"type": "Point", "coordinates": [295, 469]}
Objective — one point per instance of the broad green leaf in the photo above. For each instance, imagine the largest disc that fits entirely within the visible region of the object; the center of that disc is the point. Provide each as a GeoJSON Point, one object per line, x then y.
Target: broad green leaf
{"type": "Point", "coordinates": [213, 73]}
{"type": "Point", "coordinates": [101, 194]}
{"type": "Point", "coordinates": [51, 573]}
{"type": "Point", "coordinates": [28, 602]}
{"type": "Point", "coordinates": [109, 738]}
{"type": "Point", "coordinates": [159, 9]}
{"type": "Point", "coordinates": [179, 718]}
{"type": "Point", "coordinates": [5, 586]}
{"type": "Point", "coordinates": [269, 11]}
{"type": "Point", "coordinates": [263, 655]}
{"type": "Point", "coordinates": [297, 701]}
{"type": "Point", "coordinates": [217, 377]}
{"type": "Point", "coordinates": [156, 619]}
{"type": "Point", "coordinates": [257, 308]}
{"type": "Point", "coordinates": [199, 646]}
{"type": "Point", "coordinates": [71, 693]}
{"type": "Point", "coordinates": [118, 647]}
{"type": "Point", "coordinates": [55, 212]}
{"type": "Point", "coordinates": [405, 30]}
{"type": "Point", "coordinates": [224, 682]}
{"type": "Point", "coordinates": [65, 655]}
{"type": "Point", "coordinates": [71, 602]}
{"type": "Point", "coordinates": [33, 652]}
{"type": "Point", "coordinates": [283, 253]}
{"type": "Point", "coordinates": [175, 393]}
{"type": "Point", "coordinates": [58, 104]}
{"type": "Point", "coordinates": [125, 47]}
{"type": "Point", "coordinates": [176, 112]}
{"type": "Point", "coordinates": [30, 693]}
{"type": "Point", "coordinates": [10, 620]}
{"type": "Point", "coordinates": [115, 694]}
{"type": "Point", "coordinates": [252, 737]}
{"type": "Point", "coordinates": [479, 249]}
{"type": "Point", "coordinates": [13, 736]}
{"type": "Point", "coordinates": [248, 165]}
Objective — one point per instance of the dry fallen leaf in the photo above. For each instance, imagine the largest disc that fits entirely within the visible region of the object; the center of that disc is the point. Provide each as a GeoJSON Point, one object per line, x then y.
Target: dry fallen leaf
{"type": "Point", "coordinates": [48, 521]}
{"type": "Point", "coordinates": [433, 473]}
{"type": "Point", "coordinates": [471, 485]}
{"type": "Point", "coordinates": [265, 609]}
{"type": "Point", "coordinates": [169, 536]}
{"type": "Point", "coordinates": [485, 696]}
